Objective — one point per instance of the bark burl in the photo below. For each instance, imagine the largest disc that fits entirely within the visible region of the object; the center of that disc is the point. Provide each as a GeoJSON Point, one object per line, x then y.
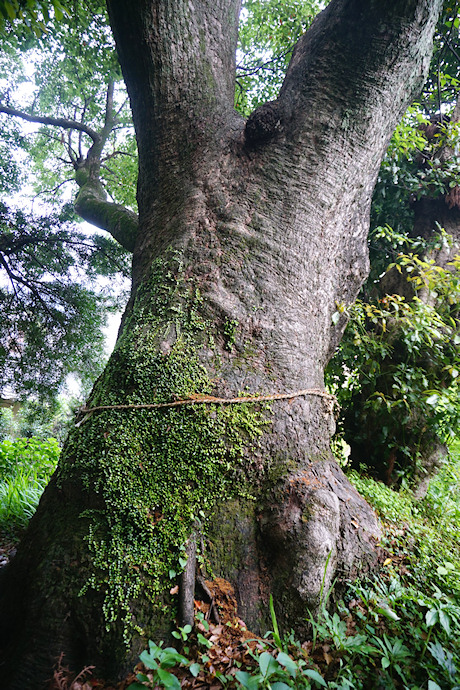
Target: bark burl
{"type": "Point", "coordinates": [249, 234]}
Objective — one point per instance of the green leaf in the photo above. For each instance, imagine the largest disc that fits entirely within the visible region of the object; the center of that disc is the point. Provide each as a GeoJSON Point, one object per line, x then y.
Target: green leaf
{"type": "Point", "coordinates": [431, 685]}
{"type": "Point", "coordinates": [171, 657]}
{"type": "Point", "coordinates": [445, 621]}
{"type": "Point", "coordinates": [385, 662]}
{"type": "Point", "coordinates": [314, 675]}
{"type": "Point", "coordinates": [204, 641]}
{"type": "Point", "coordinates": [431, 617]}
{"type": "Point", "coordinates": [194, 669]}
{"type": "Point", "coordinates": [10, 10]}
{"type": "Point", "coordinates": [170, 682]}
{"type": "Point", "coordinates": [148, 660]}
{"type": "Point", "coordinates": [247, 681]}
{"type": "Point", "coordinates": [267, 664]}
{"type": "Point", "coordinates": [276, 632]}
{"type": "Point", "coordinates": [58, 13]}
{"type": "Point", "coordinates": [288, 663]}
{"type": "Point", "coordinates": [432, 400]}
{"type": "Point", "coordinates": [387, 612]}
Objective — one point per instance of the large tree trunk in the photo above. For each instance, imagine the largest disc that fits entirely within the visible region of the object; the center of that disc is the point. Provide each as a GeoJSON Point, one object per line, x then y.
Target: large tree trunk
{"type": "Point", "coordinates": [248, 236]}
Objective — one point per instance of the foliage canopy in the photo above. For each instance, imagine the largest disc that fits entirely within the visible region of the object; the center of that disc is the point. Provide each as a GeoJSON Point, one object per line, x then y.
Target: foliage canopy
{"type": "Point", "coordinates": [52, 308]}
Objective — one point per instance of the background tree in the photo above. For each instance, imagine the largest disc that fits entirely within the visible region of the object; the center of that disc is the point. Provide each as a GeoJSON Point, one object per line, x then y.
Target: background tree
{"type": "Point", "coordinates": [52, 300]}
{"type": "Point", "coordinates": [35, 14]}
{"type": "Point", "coordinates": [52, 303]}
{"type": "Point", "coordinates": [267, 36]}
{"type": "Point", "coordinates": [397, 367]}
{"type": "Point", "coordinates": [77, 94]}
{"type": "Point", "coordinates": [249, 234]}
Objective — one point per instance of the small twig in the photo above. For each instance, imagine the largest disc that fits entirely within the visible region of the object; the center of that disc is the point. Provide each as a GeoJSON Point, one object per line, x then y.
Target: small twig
{"type": "Point", "coordinates": [55, 189]}
{"type": "Point", "coordinates": [452, 49]}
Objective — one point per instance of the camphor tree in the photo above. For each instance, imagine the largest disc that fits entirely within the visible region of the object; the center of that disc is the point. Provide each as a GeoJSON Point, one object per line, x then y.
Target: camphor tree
{"type": "Point", "coordinates": [250, 231]}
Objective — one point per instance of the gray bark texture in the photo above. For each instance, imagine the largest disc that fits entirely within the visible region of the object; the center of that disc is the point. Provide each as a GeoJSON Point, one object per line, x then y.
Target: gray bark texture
{"type": "Point", "coordinates": [267, 220]}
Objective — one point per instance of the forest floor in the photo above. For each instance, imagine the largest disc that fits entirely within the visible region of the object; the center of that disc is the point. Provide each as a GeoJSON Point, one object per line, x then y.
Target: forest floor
{"type": "Point", "coordinates": [219, 649]}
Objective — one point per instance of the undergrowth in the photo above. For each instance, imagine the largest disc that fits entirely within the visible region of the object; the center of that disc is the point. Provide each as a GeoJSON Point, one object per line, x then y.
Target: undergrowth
{"type": "Point", "coordinates": [398, 631]}
{"type": "Point", "coordinates": [425, 533]}
{"type": "Point", "coordinates": [26, 465]}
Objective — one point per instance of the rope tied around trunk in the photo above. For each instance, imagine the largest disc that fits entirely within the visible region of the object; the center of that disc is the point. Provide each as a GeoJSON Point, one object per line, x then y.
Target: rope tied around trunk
{"type": "Point", "coordinates": [200, 399]}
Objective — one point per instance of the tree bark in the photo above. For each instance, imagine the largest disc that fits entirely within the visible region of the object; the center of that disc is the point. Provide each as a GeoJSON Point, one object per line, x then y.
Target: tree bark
{"type": "Point", "coordinates": [248, 235]}
{"type": "Point", "coordinates": [92, 205]}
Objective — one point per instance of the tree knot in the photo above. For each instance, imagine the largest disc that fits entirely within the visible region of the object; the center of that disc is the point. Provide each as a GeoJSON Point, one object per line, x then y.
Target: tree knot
{"type": "Point", "coordinates": [263, 124]}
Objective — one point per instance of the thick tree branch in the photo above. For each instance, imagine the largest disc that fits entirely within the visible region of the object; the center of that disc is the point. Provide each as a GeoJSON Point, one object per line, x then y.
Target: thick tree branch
{"type": "Point", "coordinates": [344, 64]}
{"type": "Point", "coordinates": [92, 205]}
{"type": "Point", "coordinates": [194, 95]}
{"type": "Point", "coordinates": [95, 152]}
{"type": "Point", "coordinates": [53, 121]}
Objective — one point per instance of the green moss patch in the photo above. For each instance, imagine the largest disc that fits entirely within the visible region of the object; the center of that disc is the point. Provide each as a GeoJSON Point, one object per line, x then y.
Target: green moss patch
{"type": "Point", "coordinates": [155, 472]}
